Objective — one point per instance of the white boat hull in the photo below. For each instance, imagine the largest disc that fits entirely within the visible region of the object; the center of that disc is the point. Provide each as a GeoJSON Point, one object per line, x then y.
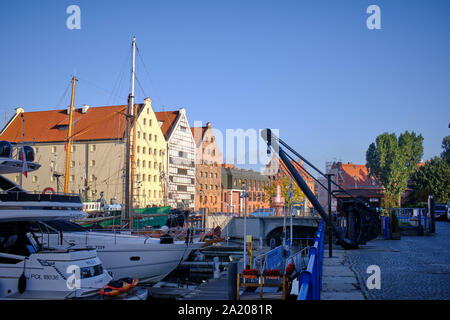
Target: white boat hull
{"type": "Point", "coordinates": [149, 263]}
{"type": "Point", "coordinates": [128, 255]}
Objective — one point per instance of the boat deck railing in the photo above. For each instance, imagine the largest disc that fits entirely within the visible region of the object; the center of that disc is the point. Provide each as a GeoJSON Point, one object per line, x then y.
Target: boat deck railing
{"type": "Point", "coordinates": [12, 196]}
{"type": "Point", "coordinates": [152, 234]}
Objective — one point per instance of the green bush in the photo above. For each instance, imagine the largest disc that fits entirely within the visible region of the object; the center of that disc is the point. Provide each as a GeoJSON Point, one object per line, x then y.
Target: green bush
{"type": "Point", "coordinates": [395, 225]}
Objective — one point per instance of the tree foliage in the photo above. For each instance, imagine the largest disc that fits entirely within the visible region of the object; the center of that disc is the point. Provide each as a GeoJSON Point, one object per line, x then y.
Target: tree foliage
{"type": "Point", "coordinates": [271, 191]}
{"type": "Point", "coordinates": [433, 178]}
{"type": "Point", "coordinates": [392, 161]}
{"type": "Point", "coordinates": [446, 152]}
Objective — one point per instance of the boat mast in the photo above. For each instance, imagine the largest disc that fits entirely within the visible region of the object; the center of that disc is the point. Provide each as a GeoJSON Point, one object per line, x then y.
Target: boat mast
{"type": "Point", "coordinates": [69, 137]}
{"type": "Point", "coordinates": [129, 147]}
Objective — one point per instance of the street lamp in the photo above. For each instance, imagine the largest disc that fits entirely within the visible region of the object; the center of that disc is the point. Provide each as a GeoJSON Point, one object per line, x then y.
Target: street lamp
{"type": "Point", "coordinates": [244, 195]}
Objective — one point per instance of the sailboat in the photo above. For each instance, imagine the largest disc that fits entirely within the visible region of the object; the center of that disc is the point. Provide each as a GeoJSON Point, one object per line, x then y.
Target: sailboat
{"type": "Point", "coordinates": [124, 252]}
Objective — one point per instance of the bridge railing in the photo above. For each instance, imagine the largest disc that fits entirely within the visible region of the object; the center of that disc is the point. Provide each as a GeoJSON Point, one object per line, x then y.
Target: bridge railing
{"type": "Point", "coordinates": [310, 280]}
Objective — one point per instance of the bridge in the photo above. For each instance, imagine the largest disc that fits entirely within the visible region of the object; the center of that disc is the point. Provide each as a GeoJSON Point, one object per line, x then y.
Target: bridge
{"type": "Point", "coordinates": [265, 228]}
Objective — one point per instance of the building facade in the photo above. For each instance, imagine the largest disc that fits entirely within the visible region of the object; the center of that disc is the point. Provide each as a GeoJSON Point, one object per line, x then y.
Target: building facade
{"type": "Point", "coordinates": [355, 179]}
{"type": "Point", "coordinates": [233, 181]}
{"type": "Point", "coordinates": [97, 155]}
{"type": "Point", "coordinates": [150, 159]}
{"type": "Point", "coordinates": [180, 178]}
{"type": "Point", "coordinates": [208, 167]}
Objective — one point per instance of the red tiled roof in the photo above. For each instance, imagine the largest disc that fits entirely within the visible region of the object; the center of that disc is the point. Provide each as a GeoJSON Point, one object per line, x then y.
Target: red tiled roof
{"type": "Point", "coordinates": [347, 174]}
{"type": "Point", "coordinates": [168, 118]}
{"type": "Point", "coordinates": [98, 123]}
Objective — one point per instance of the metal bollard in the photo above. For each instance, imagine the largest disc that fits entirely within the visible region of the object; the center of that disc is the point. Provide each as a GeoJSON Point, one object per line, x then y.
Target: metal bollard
{"type": "Point", "coordinates": [232, 280]}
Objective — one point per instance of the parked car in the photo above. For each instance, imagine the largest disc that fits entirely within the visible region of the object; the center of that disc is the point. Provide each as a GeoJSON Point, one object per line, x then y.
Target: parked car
{"type": "Point", "coordinates": [441, 211]}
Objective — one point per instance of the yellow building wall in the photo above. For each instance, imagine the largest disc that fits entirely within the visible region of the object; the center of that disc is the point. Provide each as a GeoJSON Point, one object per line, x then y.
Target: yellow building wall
{"type": "Point", "coordinates": [150, 159]}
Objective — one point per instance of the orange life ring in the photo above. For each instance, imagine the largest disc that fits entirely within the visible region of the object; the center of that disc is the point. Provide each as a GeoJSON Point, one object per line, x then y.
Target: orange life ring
{"type": "Point", "coordinates": [48, 189]}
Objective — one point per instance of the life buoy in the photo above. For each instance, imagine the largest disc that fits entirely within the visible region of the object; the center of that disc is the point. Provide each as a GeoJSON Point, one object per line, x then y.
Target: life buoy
{"type": "Point", "coordinates": [48, 189]}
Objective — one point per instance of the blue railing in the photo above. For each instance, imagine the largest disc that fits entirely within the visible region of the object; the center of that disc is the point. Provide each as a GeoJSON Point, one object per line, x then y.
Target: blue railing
{"type": "Point", "coordinates": [385, 226]}
{"type": "Point", "coordinates": [310, 280]}
{"type": "Point", "coordinates": [415, 217]}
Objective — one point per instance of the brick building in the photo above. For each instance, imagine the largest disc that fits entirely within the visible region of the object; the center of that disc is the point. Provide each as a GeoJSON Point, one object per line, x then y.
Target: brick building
{"type": "Point", "coordinates": [233, 181]}
{"type": "Point", "coordinates": [208, 170]}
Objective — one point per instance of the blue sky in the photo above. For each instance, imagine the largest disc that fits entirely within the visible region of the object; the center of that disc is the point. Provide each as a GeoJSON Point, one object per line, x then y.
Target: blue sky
{"type": "Point", "coordinates": [312, 69]}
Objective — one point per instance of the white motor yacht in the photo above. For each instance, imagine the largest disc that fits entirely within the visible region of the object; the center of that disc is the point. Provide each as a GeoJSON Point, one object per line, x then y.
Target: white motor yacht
{"type": "Point", "coordinates": [28, 270]}
{"type": "Point", "coordinates": [122, 252]}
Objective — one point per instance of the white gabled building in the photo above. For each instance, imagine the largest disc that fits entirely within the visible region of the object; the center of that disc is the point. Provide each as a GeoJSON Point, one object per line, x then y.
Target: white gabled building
{"type": "Point", "coordinates": [181, 150]}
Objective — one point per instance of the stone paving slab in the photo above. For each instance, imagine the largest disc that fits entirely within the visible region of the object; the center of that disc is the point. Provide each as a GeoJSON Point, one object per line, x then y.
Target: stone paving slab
{"type": "Point", "coordinates": [338, 271]}
{"type": "Point", "coordinates": [339, 282]}
{"type": "Point", "coordinates": [353, 295]}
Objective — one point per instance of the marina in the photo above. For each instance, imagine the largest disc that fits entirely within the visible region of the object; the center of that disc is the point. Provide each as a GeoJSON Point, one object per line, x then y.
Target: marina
{"type": "Point", "coordinates": [248, 155]}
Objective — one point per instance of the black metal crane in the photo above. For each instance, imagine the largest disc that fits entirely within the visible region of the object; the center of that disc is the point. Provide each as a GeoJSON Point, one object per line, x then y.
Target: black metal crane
{"type": "Point", "coordinates": [363, 223]}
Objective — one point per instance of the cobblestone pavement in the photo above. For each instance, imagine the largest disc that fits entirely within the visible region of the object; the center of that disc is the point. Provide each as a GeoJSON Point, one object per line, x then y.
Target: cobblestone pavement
{"type": "Point", "coordinates": [411, 268]}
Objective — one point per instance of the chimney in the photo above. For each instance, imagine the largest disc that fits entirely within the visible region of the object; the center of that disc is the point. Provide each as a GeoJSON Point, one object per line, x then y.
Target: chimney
{"type": "Point", "coordinates": [85, 108]}
{"type": "Point", "coordinates": [148, 101]}
{"type": "Point", "coordinates": [208, 125]}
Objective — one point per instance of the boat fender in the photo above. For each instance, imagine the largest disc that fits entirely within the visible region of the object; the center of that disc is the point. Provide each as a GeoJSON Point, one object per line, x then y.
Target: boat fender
{"type": "Point", "coordinates": [188, 234]}
{"type": "Point", "coordinates": [22, 285]}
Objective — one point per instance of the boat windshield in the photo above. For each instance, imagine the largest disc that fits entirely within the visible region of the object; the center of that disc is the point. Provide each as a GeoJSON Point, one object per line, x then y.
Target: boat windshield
{"type": "Point", "coordinates": [17, 238]}
{"type": "Point", "coordinates": [65, 226]}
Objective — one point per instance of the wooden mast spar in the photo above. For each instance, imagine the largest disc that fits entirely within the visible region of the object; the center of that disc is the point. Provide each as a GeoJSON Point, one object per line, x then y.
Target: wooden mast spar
{"type": "Point", "coordinates": [130, 147]}
{"type": "Point", "coordinates": [69, 137]}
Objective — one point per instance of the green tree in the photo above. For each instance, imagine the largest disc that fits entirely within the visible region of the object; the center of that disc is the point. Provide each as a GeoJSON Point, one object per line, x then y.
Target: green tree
{"type": "Point", "coordinates": [433, 178]}
{"type": "Point", "coordinates": [271, 191]}
{"type": "Point", "coordinates": [392, 161]}
{"type": "Point", "coordinates": [446, 152]}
